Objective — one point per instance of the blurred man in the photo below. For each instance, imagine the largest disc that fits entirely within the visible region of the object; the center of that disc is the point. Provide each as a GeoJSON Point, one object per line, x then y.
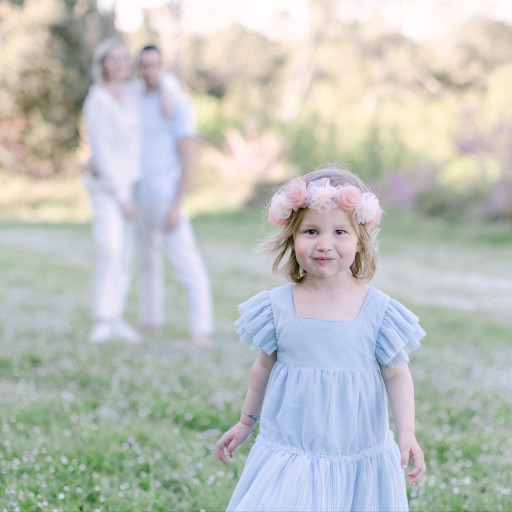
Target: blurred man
{"type": "Point", "coordinates": [167, 132]}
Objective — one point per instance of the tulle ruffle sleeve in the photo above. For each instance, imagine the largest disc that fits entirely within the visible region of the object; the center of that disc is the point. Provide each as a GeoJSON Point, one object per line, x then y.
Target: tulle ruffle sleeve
{"type": "Point", "coordinates": [256, 323]}
{"type": "Point", "coordinates": [400, 333]}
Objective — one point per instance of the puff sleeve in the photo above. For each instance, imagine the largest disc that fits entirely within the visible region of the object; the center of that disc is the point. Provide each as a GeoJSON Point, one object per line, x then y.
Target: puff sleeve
{"type": "Point", "coordinates": [256, 323]}
{"type": "Point", "coordinates": [400, 333]}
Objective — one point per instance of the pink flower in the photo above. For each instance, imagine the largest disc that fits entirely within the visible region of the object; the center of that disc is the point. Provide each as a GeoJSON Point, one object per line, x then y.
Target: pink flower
{"type": "Point", "coordinates": [275, 221]}
{"type": "Point", "coordinates": [375, 221]}
{"type": "Point", "coordinates": [322, 195]}
{"type": "Point", "coordinates": [279, 210]}
{"type": "Point", "coordinates": [296, 194]}
{"type": "Point", "coordinates": [350, 197]}
{"type": "Point", "coordinates": [368, 210]}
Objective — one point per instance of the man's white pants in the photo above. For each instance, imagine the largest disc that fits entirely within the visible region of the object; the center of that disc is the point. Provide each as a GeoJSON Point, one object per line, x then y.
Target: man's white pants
{"type": "Point", "coordinates": [179, 245]}
{"type": "Point", "coordinates": [114, 241]}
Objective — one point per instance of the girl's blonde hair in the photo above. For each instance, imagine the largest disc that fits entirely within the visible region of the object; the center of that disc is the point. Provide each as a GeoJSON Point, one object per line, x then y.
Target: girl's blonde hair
{"type": "Point", "coordinates": [279, 246]}
{"type": "Point", "coordinates": [100, 53]}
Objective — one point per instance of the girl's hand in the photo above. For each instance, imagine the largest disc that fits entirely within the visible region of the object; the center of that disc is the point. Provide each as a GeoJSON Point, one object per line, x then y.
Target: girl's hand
{"type": "Point", "coordinates": [230, 441]}
{"type": "Point", "coordinates": [411, 451]}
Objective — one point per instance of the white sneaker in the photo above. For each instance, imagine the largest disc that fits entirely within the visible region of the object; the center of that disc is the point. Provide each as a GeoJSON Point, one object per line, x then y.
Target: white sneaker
{"type": "Point", "coordinates": [121, 330]}
{"type": "Point", "coordinates": [101, 332]}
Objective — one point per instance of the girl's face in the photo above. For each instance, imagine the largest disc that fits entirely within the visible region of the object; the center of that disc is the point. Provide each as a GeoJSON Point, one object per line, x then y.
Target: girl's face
{"type": "Point", "coordinates": [116, 65]}
{"type": "Point", "coordinates": [326, 243]}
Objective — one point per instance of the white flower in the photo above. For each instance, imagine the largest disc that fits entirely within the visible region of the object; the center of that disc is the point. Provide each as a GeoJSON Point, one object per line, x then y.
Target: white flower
{"type": "Point", "coordinates": [322, 195]}
{"type": "Point", "coordinates": [279, 209]}
{"type": "Point", "coordinates": [368, 209]}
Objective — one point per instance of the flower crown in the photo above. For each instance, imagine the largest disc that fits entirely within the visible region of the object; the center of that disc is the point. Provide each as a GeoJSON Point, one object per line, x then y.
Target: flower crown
{"type": "Point", "coordinates": [322, 196]}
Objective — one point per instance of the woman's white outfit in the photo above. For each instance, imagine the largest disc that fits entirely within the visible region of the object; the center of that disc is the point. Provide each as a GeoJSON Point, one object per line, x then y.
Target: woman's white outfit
{"type": "Point", "coordinates": [112, 128]}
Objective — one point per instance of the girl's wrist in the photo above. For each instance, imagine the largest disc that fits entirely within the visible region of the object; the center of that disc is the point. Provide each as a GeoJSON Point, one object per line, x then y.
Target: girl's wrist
{"type": "Point", "coordinates": [251, 416]}
{"type": "Point", "coordinates": [248, 419]}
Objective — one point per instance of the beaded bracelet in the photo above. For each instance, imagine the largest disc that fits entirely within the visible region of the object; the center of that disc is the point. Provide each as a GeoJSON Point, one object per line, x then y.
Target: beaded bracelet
{"type": "Point", "coordinates": [250, 416]}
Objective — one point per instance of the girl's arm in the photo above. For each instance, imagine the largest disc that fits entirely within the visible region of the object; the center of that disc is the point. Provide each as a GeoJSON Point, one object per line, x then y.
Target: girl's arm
{"type": "Point", "coordinates": [400, 390]}
{"type": "Point", "coordinates": [258, 379]}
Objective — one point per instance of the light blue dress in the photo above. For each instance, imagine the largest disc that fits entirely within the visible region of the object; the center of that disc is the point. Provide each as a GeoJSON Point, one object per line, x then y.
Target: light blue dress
{"type": "Point", "coordinates": [324, 442]}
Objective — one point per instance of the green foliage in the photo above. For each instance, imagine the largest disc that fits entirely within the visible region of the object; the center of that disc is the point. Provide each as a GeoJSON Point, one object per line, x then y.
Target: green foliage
{"type": "Point", "coordinates": [356, 92]}
{"type": "Point", "coordinates": [405, 110]}
{"type": "Point", "coordinates": [462, 60]}
{"type": "Point", "coordinates": [240, 67]}
{"type": "Point", "coordinates": [213, 121]}
{"type": "Point", "coordinates": [46, 54]}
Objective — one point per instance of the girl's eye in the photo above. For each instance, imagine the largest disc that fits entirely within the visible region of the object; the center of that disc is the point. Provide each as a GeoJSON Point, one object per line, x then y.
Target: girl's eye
{"type": "Point", "coordinates": [310, 231]}
{"type": "Point", "coordinates": [340, 231]}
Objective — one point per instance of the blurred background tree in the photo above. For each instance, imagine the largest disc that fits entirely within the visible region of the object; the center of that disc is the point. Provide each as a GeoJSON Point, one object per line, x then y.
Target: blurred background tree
{"type": "Point", "coordinates": [46, 56]}
{"type": "Point", "coordinates": [427, 120]}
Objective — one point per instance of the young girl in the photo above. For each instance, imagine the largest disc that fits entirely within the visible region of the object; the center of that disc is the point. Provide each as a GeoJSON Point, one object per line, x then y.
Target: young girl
{"type": "Point", "coordinates": [330, 349]}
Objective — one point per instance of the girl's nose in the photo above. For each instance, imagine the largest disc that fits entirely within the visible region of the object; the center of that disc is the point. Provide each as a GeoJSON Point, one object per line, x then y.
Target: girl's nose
{"type": "Point", "coordinates": [322, 243]}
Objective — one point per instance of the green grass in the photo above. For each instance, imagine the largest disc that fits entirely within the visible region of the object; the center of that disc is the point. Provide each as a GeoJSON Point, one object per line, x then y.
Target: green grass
{"type": "Point", "coordinates": [131, 428]}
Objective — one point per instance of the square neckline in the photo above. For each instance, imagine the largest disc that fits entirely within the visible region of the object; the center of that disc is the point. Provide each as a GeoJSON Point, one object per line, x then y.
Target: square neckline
{"type": "Point", "coordinates": [357, 317]}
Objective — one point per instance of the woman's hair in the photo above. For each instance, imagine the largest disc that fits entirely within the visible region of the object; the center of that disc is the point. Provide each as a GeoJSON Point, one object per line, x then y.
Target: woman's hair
{"type": "Point", "coordinates": [100, 54]}
{"type": "Point", "coordinates": [279, 246]}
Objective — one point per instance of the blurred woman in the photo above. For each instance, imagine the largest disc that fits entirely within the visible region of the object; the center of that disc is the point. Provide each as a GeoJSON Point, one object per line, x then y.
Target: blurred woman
{"type": "Point", "coordinates": [110, 112]}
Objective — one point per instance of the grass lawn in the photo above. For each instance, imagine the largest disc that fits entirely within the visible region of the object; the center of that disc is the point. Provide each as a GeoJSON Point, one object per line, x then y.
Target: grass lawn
{"type": "Point", "coordinates": [131, 428]}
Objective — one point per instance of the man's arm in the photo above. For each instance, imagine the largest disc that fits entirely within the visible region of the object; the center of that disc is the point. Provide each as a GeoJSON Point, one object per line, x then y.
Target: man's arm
{"type": "Point", "coordinates": [185, 148]}
{"type": "Point", "coordinates": [185, 123]}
